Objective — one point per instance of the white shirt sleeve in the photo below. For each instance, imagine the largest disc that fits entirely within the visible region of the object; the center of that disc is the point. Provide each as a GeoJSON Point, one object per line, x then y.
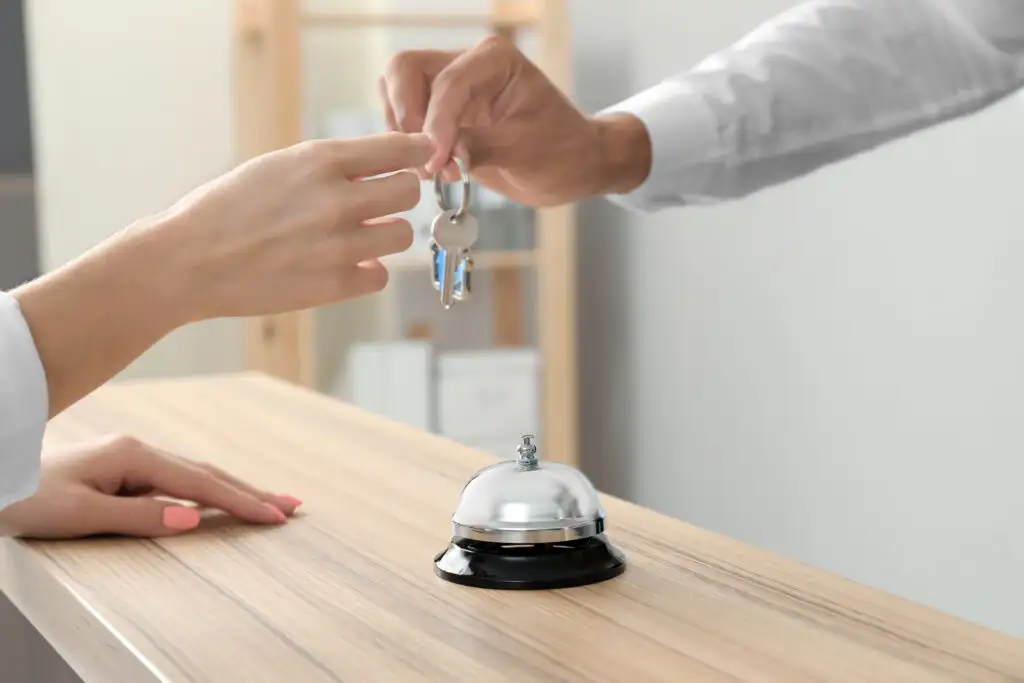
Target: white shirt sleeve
{"type": "Point", "coordinates": [24, 405]}
{"type": "Point", "coordinates": [818, 84]}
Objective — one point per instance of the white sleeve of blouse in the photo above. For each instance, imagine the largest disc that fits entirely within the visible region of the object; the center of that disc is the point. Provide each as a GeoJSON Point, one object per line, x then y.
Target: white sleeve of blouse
{"type": "Point", "coordinates": [24, 405]}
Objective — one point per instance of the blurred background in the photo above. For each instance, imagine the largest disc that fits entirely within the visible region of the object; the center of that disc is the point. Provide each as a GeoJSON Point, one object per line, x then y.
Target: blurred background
{"type": "Point", "coordinates": [832, 370]}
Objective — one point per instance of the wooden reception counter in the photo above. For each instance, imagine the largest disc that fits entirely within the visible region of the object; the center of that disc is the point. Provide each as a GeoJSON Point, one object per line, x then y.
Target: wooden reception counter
{"type": "Point", "coordinates": [346, 591]}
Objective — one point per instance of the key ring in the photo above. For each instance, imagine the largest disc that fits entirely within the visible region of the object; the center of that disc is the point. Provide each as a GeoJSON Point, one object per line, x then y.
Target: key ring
{"type": "Point", "coordinates": [439, 191]}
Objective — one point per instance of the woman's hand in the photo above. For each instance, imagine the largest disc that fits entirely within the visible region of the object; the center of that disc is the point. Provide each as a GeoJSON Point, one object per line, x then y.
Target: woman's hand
{"type": "Point", "coordinates": [295, 228]}
{"type": "Point", "coordinates": [112, 487]}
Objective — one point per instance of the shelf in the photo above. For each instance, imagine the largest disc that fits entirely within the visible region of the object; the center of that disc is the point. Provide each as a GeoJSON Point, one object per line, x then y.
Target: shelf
{"type": "Point", "coordinates": [269, 106]}
{"type": "Point", "coordinates": [254, 16]}
{"type": "Point", "coordinates": [506, 15]}
{"type": "Point", "coordinates": [487, 260]}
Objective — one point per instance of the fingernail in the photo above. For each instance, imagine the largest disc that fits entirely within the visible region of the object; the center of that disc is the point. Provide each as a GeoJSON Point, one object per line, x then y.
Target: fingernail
{"type": "Point", "coordinates": [276, 514]}
{"type": "Point", "coordinates": [181, 518]}
{"type": "Point", "coordinates": [291, 500]}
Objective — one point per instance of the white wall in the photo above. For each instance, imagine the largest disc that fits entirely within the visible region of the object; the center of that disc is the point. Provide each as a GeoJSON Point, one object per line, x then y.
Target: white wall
{"type": "Point", "coordinates": [132, 107]}
{"type": "Point", "coordinates": [838, 374]}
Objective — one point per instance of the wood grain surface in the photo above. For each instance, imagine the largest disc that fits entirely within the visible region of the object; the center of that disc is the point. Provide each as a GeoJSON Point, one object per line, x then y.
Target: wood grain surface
{"type": "Point", "coordinates": [346, 591]}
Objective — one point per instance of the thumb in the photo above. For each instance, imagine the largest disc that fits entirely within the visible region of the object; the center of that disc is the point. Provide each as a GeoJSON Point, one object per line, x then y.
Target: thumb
{"type": "Point", "coordinates": [142, 517]}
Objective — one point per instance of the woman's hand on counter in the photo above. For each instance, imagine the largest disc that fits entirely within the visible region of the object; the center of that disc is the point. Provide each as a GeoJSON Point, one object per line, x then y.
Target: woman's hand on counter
{"type": "Point", "coordinates": [120, 486]}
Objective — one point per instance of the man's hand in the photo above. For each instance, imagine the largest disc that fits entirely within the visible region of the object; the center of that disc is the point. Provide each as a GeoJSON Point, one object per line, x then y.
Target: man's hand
{"type": "Point", "coordinates": [515, 130]}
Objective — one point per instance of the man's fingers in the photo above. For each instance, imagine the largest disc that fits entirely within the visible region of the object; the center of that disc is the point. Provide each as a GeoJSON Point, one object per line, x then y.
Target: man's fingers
{"type": "Point", "coordinates": [406, 81]}
{"type": "Point", "coordinates": [389, 113]}
{"type": "Point", "coordinates": [432, 91]}
{"type": "Point", "coordinates": [451, 172]}
{"type": "Point", "coordinates": [477, 75]}
{"type": "Point", "coordinates": [407, 90]}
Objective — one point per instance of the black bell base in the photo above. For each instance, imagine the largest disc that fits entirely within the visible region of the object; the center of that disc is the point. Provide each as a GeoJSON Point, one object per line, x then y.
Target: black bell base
{"type": "Point", "coordinates": [542, 566]}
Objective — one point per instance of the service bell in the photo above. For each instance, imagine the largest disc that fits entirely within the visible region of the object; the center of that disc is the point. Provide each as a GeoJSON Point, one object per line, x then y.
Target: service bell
{"type": "Point", "coordinates": [527, 524]}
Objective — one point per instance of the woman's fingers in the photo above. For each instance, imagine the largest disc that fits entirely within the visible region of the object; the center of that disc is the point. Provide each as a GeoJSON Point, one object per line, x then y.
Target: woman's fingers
{"type": "Point", "coordinates": [143, 517]}
{"type": "Point", "coordinates": [382, 196]}
{"type": "Point", "coordinates": [370, 241]}
{"type": "Point", "coordinates": [286, 504]}
{"type": "Point", "coordinates": [382, 153]}
{"type": "Point", "coordinates": [181, 479]}
{"type": "Point", "coordinates": [110, 487]}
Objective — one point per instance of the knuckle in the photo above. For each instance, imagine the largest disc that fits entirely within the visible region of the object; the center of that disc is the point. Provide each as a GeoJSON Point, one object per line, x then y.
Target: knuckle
{"type": "Point", "coordinates": [126, 443]}
{"type": "Point", "coordinates": [346, 256]}
{"type": "Point", "coordinates": [314, 152]}
{"type": "Point", "coordinates": [493, 43]}
{"type": "Point", "coordinates": [445, 80]}
{"type": "Point", "coordinates": [200, 476]}
{"type": "Point", "coordinates": [206, 467]}
{"type": "Point", "coordinates": [305, 148]}
{"type": "Point", "coordinates": [400, 63]}
{"type": "Point", "coordinates": [137, 461]}
{"type": "Point", "coordinates": [410, 122]}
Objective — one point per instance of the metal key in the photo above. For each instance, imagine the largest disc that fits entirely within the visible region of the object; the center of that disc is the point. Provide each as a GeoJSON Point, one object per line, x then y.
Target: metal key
{"type": "Point", "coordinates": [453, 237]}
{"type": "Point", "coordinates": [463, 272]}
{"type": "Point", "coordinates": [453, 234]}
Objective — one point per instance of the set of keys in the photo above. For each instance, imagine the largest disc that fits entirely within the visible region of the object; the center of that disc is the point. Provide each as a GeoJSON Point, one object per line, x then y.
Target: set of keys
{"type": "Point", "coordinates": [452, 236]}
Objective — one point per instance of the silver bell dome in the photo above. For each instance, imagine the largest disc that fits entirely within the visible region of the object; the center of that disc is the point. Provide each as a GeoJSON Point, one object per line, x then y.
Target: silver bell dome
{"type": "Point", "coordinates": [526, 501]}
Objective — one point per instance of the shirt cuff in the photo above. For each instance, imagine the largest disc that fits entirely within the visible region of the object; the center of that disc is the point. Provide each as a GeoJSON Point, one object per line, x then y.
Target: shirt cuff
{"type": "Point", "coordinates": [685, 146]}
{"type": "Point", "coordinates": [24, 405]}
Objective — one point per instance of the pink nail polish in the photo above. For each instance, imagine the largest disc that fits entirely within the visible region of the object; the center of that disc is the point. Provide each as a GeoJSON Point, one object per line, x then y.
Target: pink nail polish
{"type": "Point", "coordinates": [181, 518]}
{"type": "Point", "coordinates": [277, 514]}
{"type": "Point", "coordinates": [291, 500]}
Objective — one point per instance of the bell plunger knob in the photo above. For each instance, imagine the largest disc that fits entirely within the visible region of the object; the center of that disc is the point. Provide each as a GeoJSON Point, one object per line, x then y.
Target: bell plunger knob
{"type": "Point", "coordinates": [527, 453]}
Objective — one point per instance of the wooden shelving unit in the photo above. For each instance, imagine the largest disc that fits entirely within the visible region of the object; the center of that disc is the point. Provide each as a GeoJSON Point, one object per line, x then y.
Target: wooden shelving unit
{"type": "Point", "coordinates": [268, 40]}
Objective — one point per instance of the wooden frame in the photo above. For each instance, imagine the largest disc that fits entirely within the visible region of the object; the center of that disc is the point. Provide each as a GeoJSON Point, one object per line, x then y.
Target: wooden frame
{"type": "Point", "coordinates": [268, 116]}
